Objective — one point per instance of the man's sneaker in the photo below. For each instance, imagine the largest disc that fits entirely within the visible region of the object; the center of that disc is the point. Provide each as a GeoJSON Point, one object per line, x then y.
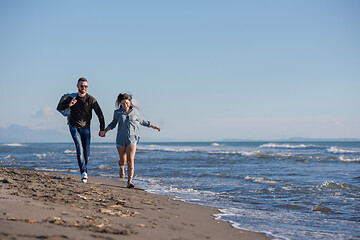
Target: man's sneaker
{"type": "Point", "coordinates": [84, 177]}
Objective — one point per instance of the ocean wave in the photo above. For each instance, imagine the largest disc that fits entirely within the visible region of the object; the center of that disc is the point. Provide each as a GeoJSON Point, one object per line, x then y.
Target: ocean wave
{"type": "Point", "coordinates": [9, 157]}
{"type": "Point", "coordinates": [220, 175]}
{"type": "Point", "coordinates": [44, 169]}
{"type": "Point", "coordinates": [321, 208]}
{"type": "Point", "coordinates": [109, 175]}
{"type": "Point", "coordinates": [104, 167]}
{"type": "Point", "coordinates": [217, 144]}
{"type": "Point", "coordinates": [190, 190]}
{"type": "Point", "coordinates": [14, 145]}
{"type": "Point", "coordinates": [262, 180]}
{"type": "Point", "coordinates": [279, 224]}
{"type": "Point", "coordinates": [156, 186]}
{"type": "Point", "coordinates": [336, 186]}
{"type": "Point", "coordinates": [169, 149]}
{"type": "Point", "coordinates": [347, 159]}
{"type": "Point", "coordinates": [289, 146]}
{"type": "Point", "coordinates": [340, 150]}
{"type": "Point", "coordinates": [257, 221]}
{"type": "Point", "coordinates": [67, 151]}
{"type": "Point", "coordinates": [40, 156]}
{"type": "Point", "coordinates": [258, 154]}
{"type": "Point", "coordinates": [266, 155]}
{"type": "Point", "coordinates": [184, 194]}
{"type": "Point", "coordinates": [232, 152]}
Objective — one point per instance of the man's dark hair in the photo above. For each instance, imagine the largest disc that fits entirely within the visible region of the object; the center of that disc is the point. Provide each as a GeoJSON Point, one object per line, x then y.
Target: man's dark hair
{"type": "Point", "coordinates": [82, 79]}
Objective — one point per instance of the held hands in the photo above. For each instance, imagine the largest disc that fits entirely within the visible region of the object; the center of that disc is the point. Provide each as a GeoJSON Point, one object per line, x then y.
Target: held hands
{"type": "Point", "coordinates": [103, 132]}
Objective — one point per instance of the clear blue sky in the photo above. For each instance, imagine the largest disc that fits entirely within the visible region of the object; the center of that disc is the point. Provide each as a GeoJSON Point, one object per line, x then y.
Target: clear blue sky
{"type": "Point", "coordinates": [202, 70]}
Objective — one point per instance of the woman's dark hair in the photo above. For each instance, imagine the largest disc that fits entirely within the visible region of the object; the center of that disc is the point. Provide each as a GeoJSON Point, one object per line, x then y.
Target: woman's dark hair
{"type": "Point", "coordinates": [121, 97]}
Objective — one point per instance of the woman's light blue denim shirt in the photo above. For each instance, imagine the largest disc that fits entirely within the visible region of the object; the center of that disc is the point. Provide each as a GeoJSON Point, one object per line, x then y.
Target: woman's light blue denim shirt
{"type": "Point", "coordinates": [128, 124]}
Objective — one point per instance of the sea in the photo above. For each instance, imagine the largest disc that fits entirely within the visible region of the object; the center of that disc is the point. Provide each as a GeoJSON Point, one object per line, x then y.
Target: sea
{"type": "Point", "coordinates": [288, 190]}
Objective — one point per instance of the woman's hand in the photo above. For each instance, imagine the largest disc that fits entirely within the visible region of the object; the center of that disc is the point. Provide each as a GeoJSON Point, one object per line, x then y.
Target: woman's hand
{"type": "Point", "coordinates": [155, 127]}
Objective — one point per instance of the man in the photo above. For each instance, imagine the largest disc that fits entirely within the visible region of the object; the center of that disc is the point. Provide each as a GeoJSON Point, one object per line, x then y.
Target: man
{"type": "Point", "coordinates": [81, 108]}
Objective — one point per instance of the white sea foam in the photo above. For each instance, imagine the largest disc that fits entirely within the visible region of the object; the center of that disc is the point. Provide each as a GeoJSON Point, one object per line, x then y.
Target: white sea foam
{"type": "Point", "coordinates": [109, 175]}
{"type": "Point", "coordinates": [169, 149]}
{"type": "Point", "coordinates": [260, 218]}
{"type": "Point", "coordinates": [104, 167]}
{"type": "Point", "coordinates": [253, 154]}
{"type": "Point", "coordinates": [263, 155]}
{"type": "Point", "coordinates": [232, 152]}
{"type": "Point", "coordinates": [69, 151]}
{"type": "Point", "coordinates": [215, 148]}
{"type": "Point", "coordinates": [50, 169]}
{"type": "Point", "coordinates": [14, 145]}
{"type": "Point", "coordinates": [258, 154]}
{"type": "Point", "coordinates": [290, 146]}
{"type": "Point", "coordinates": [40, 156]}
{"type": "Point", "coordinates": [279, 224]}
{"type": "Point", "coordinates": [347, 159]}
{"type": "Point", "coordinates": [335, 186]}
{"type": "Point", "coordinates": [45, 169]}
{"type": "Point", "coordinates": [184, 194]}
{"type": "Point", "coordinates": [339, 150]}
{"type": "Point", "coordinates": [263, 180]}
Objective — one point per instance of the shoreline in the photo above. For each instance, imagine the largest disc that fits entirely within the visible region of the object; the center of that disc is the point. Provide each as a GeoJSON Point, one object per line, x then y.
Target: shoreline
{"type": "Point", "coordinates": [58, 206]}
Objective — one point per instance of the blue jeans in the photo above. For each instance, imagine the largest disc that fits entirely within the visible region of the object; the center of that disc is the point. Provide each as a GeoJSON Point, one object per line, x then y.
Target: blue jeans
{"type": "Point", "coordinates": [81, 139]}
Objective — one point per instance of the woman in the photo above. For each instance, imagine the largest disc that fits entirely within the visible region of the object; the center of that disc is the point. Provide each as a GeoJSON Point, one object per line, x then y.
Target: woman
{"type": "Point", "coordinates": [128, 119]}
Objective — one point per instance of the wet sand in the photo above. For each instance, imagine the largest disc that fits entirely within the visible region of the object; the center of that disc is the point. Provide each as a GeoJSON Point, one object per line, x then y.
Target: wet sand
{"type": "Point", "coordinates": [37, 205]}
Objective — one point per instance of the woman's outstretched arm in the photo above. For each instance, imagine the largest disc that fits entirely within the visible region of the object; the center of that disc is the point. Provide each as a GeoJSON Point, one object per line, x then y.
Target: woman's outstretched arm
{"type": "Point", "coordinates": [155, 127]}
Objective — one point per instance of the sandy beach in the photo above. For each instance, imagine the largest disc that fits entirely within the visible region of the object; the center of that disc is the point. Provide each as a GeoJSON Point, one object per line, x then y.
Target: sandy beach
{"type": "Point", "coordinates": [56, 206]}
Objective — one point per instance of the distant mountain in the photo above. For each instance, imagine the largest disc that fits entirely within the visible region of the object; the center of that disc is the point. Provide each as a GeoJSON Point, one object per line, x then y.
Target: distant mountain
{"type": "Point", "coordinates": [21, 134]}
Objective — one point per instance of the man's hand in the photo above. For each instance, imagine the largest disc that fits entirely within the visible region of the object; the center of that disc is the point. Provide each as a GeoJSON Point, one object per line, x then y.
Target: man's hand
{"type": "Point", "coordinates": [73, 101]}
{"type": "Point", "coordinates": [102, 134]}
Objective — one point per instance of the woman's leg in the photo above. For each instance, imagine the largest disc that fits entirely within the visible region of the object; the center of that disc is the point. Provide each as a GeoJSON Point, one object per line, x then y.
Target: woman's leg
{"type": "Point", "coordinates": [130, 152]}
{"type": "Point", "coordinates": [122, 161]}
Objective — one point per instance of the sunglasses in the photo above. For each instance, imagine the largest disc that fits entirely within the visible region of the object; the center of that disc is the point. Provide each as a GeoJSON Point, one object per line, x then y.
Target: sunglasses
{"type": "Point", "coordinates": [83, 86]}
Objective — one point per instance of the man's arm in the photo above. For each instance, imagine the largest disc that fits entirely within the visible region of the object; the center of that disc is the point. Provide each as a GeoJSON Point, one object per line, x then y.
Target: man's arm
{"type": "Point", "coordinates": [64, 104]}
{"type": "Point", "coordinates": [100, 115]}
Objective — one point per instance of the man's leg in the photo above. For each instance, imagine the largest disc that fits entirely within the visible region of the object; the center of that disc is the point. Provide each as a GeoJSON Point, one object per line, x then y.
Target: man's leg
{"type": "Point", "coordinates": [79, 149]}
{"type": "Point", "coordinates": [85, 141]}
